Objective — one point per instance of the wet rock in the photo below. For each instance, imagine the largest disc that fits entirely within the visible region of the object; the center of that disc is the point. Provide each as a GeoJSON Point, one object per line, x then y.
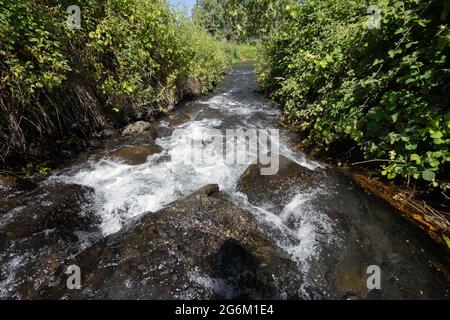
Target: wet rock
{"type": "Point", "coordinates": [64, 207]}
{"type": "Point", "coordinates": [135, 155]}
{"type": "Point", "coordinates": [278, 187]}
{"type": "Point", "coordinates": [178, 120]}
{"type": "Point", "coordinates": [209, 190]}
{"type": "Point", "coordinates": [349, 279]}
{"type": "Point", "coordinates": [199, 247]}
{"type": "Point", "coordinates": [17, 183]}
{"type": "Point", "coordinates": [32, 268]}
{"type": "Point", "coordinates": [137, 128]}
{"type": "Point", "coordinates": [164, 131]}
{"type": "Point", "coordinates": [192, 87]}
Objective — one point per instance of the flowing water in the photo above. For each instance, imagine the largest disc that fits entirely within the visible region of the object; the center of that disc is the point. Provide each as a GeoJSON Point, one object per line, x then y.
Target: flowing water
{"type": "Point", "coordinates": [332, 229]}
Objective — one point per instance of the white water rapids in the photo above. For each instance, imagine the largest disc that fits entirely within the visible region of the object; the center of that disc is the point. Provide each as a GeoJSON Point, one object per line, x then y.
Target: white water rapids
{"type": "Point", "coordinates": [124, 191]}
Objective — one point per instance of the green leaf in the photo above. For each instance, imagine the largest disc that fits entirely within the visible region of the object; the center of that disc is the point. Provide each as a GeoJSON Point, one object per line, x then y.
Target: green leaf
{"type": "Point", "coordinates": [447, 240]}
{"type": "Point", "coordinates": [434, 163]}
{"type": "Point", "coordinates": [428, 175]}
{"type": "Point", "coordinates": [437, 135]}
{"type": "Point", "coordinates": [391, 175]}
{"type": "Point", "coordinates": [416, 158]}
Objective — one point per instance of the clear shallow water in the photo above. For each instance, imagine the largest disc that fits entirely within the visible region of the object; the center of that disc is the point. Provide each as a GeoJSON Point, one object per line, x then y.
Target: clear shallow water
{"type": "Point", "coordinates": [333, 231]}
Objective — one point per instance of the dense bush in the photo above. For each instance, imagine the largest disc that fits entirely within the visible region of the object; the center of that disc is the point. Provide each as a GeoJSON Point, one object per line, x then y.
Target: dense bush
{"type": "Point", "coordinates": [384, 92]}
{"type": "Point", "coordinates": [130, 59]}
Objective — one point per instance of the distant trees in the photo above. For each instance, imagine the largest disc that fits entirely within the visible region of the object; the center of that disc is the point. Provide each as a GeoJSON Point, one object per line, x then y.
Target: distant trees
{"type": "Point", "coordinates": [239, 20]}
{"type": "Point", "coordinates": [211, 15]}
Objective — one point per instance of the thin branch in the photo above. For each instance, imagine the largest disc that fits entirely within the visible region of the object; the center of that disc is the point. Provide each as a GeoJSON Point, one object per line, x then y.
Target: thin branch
{"type": "Point", "coordinates": [448, 198]}
{"type": "Point", "coordinates": [378, 160]}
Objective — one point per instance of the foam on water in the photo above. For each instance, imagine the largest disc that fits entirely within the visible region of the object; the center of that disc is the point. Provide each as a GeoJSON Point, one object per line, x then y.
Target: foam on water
{"type": "Point", "coordinates": [125, 191]}
{"type": "Point", "coordinates": [311, 227]}
{"type": "Point", "coordinates": [300, 229]}
{"type": "Point", "coordinates": [232, 105]}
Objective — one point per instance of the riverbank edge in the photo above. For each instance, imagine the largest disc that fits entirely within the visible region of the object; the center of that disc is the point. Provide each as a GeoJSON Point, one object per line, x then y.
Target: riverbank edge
{"type": "Point", "coordinates": [61, 151]}
{"type": "Point", "coordinates": [419, 212]}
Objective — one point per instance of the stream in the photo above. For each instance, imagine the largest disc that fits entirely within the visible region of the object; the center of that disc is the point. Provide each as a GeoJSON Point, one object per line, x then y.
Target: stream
{"type": "Point", "coordinates": [329, 228]}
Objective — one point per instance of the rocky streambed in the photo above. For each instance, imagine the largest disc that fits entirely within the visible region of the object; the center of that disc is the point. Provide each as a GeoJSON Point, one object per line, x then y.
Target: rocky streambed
{"type": "Point", "coordinates": [142, 221]}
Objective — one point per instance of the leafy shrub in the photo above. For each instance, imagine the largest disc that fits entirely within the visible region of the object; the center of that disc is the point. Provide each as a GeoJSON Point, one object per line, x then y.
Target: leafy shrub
{"type": "Point", "coordinates": [384, 91]}
{"type": "Point", "coordinates": [131, 59]}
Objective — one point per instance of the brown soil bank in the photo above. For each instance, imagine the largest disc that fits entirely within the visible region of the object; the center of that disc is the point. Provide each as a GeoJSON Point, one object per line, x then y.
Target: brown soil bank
{"type": "Point", "coordinates": [434, 222]}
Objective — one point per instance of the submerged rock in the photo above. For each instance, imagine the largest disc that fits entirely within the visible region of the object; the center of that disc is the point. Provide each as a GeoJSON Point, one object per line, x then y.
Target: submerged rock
{"type": "Point", "coordinates": [277, 187]}
{"type": "Point", "coordinates": [199, 247]}
{"type": "Point", "coordinates": [135, 155]}
{"type": "Point", "coordinates": [178, 120]}
{"type": "Point", "coordinates": [59, 206]}
{"type": "Point", "coordinates": [31, 268]}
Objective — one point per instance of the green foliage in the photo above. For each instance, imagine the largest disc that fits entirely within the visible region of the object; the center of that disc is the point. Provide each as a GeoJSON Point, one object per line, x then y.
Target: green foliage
{"type": "Point", "coordinates": [45, 170]}
{"type": "Point", "coordinates": [130, 57]}
{"type": "Point", "coordinates": [384, 91]}
{"type": "Point", "coordinates": [447, 240]}
{"type": "Point", "coordinates": [211, 15]}
{"type": "Point", "coordinates": [145, 43]}
{"type": "Point", "coordinates": [242, 21]}
{"type": "Point", "coordinates": [251, 20]}
{"type": "Point", "coordinates": [30, 51]}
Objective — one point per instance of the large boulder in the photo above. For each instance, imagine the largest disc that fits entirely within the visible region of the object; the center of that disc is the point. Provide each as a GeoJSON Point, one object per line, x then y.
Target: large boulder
{"type": "Point", "coordinates": [39, 232]}
{"type": "Point", "coordinates": [199, 247]}
{"type": "Point", "coordinates": [279, 187]}
{"type": "Point", "coordinates": [192, 87]}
